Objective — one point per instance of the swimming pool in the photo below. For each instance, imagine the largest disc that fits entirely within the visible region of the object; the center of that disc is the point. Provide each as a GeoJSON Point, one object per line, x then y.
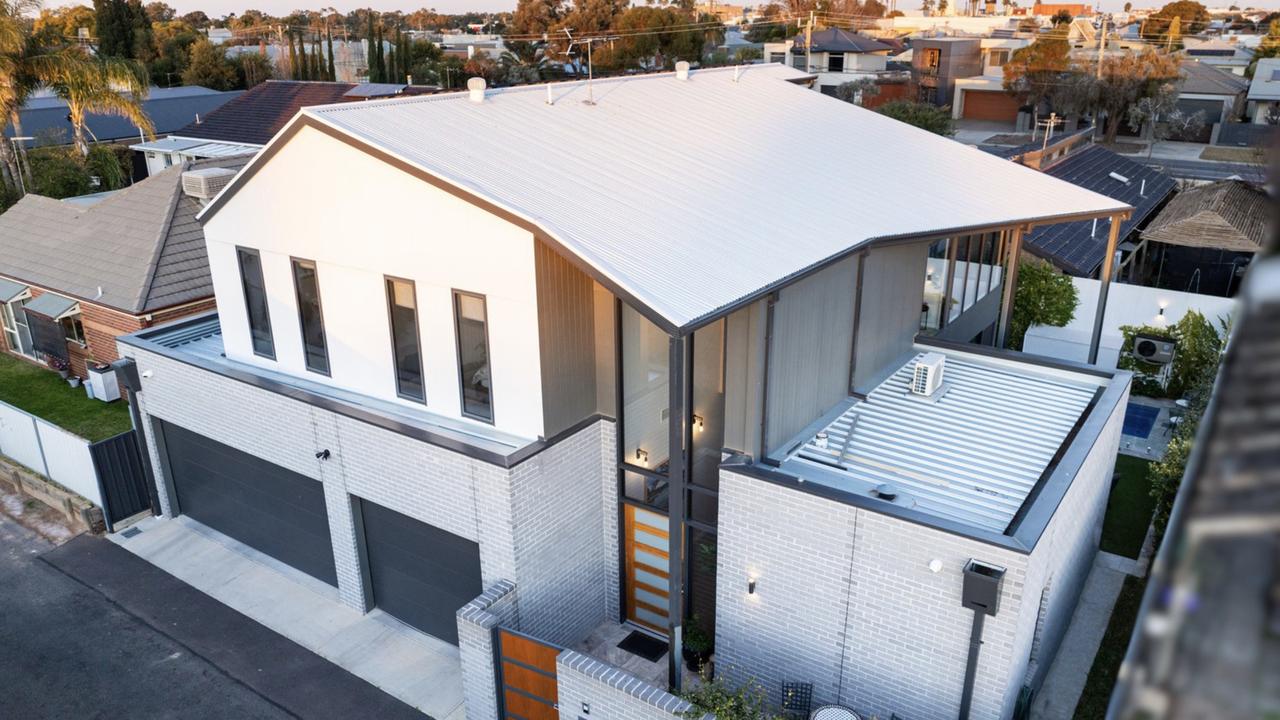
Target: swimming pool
{"type": "Point", "coordinates": [1139, 420]}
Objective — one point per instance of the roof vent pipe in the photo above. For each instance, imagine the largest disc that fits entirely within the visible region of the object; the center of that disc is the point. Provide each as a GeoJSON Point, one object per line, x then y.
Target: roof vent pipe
{"type": "Point", "coordinates": [475, 87]}
{"type": "Point", "coordinates": [682, 70]}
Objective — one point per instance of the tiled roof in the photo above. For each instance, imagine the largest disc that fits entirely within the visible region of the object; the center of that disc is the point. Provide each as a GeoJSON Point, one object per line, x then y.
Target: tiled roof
{"type": "Point", "coordinates": [1076, 247]}
{"type": "Point", "coordinates": [141, 246]}
{"type": "Point", "coordinates": [840, 40]}
{"type": "Point", "coordinates": [258, 114]}
{"type": "Point", "coordinates": [1228, 215]}
{"type": "Point", "coordinates": [1203, 79]}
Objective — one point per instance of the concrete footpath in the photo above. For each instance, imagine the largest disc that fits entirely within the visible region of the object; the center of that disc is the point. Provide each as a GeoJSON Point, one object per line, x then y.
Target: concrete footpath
{"type": "Point", "coordinates": [297, 682]}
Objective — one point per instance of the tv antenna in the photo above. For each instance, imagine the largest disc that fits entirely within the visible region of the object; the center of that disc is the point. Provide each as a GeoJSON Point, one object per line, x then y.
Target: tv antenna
{"type": "Point", "coordinates": [589, 42]}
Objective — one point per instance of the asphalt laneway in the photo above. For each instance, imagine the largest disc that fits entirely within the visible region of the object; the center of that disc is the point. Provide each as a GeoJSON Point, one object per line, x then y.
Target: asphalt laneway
{"type": "Point", "coordinates": [87, 630]}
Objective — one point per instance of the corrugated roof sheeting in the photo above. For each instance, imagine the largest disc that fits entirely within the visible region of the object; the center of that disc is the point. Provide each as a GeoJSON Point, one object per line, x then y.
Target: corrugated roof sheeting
{"type": "Point", "coordinates": [689, 222]}
{"type": "Point", "coordinates": [48, 120]}
{"type": "Point", "coordinates": [972, 456]}
{"type": "Point", "coordinates": [1076, 247]}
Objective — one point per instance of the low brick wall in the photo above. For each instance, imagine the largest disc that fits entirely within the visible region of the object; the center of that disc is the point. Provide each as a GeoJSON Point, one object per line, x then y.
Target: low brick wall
{"type": "Point", "coordinates": [478, 623]}
{"type": "Point", "coordinates": [590, 689]}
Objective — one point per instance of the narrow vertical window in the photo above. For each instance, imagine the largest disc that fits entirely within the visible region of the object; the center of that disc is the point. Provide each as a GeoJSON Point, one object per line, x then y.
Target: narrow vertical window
{"type": "Point", "coordinates": [407, 351]}
{"type": "Point", "coordinates": [306, 286]}
{"type": "Point", "coordinates": [473, 355]}
{"type": "Point", "coordinates": [255, 300]}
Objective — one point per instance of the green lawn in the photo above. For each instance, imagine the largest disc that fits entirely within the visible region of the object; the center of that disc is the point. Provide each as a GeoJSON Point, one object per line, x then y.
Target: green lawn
{"type": "Point", "coordinates": [1129, 508]}
{"type": "Point", "coordinates": [1106, 664]}
{"type": "Point", "coordinates": [42, 393]}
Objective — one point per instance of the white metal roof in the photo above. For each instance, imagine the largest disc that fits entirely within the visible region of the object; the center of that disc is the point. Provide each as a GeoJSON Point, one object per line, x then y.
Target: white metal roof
{"type": "Point", "coordinates": [972, 456]}
{"type": "Point", "coordinates": [195, 147]}
{"type": "Point", "coordinates": [1266, 80]}
{"type": "Point", "coordinates": [691, 195]}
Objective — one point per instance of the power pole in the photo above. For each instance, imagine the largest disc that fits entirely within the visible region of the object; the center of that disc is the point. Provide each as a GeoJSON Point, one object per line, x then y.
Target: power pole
{"type": "Point", "coordinates": [808, 44]}
{"type": "Point", "coordinates": [1102, 47]}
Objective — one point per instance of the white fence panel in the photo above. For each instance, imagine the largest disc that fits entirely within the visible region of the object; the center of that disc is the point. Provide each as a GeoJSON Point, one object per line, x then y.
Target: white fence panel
{"type": "Point", "coordinates": [69, 461]}
{"type": "Point", "coordinates": [18, 437]}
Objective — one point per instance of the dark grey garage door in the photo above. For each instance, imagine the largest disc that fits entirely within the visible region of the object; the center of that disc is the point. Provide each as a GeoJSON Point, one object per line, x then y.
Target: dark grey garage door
{"type": "Point", "coordinates": [420, 573]}
{"type": "Point", "coordinates": [264, 506]}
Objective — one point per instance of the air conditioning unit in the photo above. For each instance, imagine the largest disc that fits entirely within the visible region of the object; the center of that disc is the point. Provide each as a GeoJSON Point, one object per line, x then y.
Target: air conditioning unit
{"type": "Point", "coordinates": [926, 378]}
{"type": "Point", "coordinates": [204, 184]}
{"type": "Point", "coordinates": [1153, 350]}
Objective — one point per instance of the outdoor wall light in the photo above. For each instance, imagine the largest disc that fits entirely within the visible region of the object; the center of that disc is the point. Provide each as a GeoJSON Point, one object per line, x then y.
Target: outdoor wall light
{"type": "Point", "coordinates": [642, 457]}
{"type": "Point", "coordinates": [935, 565]}
{"type": "Point", "coordinates": [751, 586]}
{"type": "Point", "coordinates": [698, 423]}
{"type": "Point", "coordinates": [147, 373]}
{"type": "Point", "coordinates": [586, 708]}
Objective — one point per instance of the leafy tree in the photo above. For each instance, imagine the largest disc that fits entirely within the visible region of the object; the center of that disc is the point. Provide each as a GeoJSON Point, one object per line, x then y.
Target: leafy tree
{"type": "Point", "coordinates": [173, 41]}
{"type": "Point", "coordinates": [942, 7]}
{"type": "Point", "coordinates": [935, 119]}
{"type": "Point", "coordinates": [113, 28]}
{"type": "Point", "coordinates": [1035, 71]}
{"type": "Point", "coordinates": [160, 12]}
{"type": "Point", "coordinates": [533, 17]}
{"type": "Point", "coordinates": [1061, 18]}
{"type": "Point", "coordinates": [61, 172]}
{"type": "Point", "coordinates": [1199, 347]}
{"type": "Point", "coordinates": [210, 68]}
{"type": "Point", "coordinates": [1043, 296]}
{"type": "Point", "coordinates": [858, 91]}
{"type": "Point", "coordinates": [1129, 78]}
{"type": "Point", "coordinates": [54, 27]}
{"type": "Point", "coordinates": [252, 68]}
{"type": "Point", "coordinates": [331, 69]}
{"type": "Point", "coordinates": [1128, 6]}
{"type": "Point", "coordinates": [1191, 16]}
{"type": "Point", "coordinates": [197, 19]}
{"type": "Point", "coordinates": [522, 62]}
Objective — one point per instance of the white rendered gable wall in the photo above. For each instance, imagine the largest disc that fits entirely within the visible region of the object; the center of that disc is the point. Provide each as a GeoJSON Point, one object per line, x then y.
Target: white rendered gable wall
{"type": "Point", "coordinates": [361, 219]}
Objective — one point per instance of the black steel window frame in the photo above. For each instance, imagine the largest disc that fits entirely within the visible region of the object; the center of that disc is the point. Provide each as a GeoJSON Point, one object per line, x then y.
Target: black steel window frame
{"type": "Point", "coordinates": [488, 355]}
{"type": "Point", "coordinates": [241, 254]}
{"type": "Point", "coordinates": [296, 263]}
{"type": "Point", "coordinates": [387, 285]}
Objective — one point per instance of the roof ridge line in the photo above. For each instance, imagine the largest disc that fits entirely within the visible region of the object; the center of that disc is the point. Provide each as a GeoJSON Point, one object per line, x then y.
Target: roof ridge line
{"type": "Point", "coordinates": [161, 241]}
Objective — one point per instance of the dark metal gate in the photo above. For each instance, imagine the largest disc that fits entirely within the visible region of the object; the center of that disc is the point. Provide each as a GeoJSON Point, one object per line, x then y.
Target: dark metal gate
{"type": "Point", "coordinates": [122, 478]}
{"type": "Point", "coordinates": [527, 675]}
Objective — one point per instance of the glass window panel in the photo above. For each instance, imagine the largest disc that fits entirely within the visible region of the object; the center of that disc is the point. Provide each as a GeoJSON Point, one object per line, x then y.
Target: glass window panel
{"type": "Point", "coordinates": [651, 617]}
{"type": "Point", "coordinates": [72, 329]}
{"type": "Point", "coordinates": [701, 592]}
{"type": "Point", "coordinates": [644, 392]}
{"type": "Point", "coordinates": [708, 404]}
{"type": "Point", "coordinates": [306, 285]}
{"type": "Point", "coordinates": [651, 491]}
{"type": "Point", "coordinates": [473, 356]}
{"type": "Point", "coordinates": [649, 598]}
{"type": "Point", "coordinates": [652, 520]}
{"type": "Point", "coordinates": [653, 541]}
{"type": "Point", "coordinates": [406, 350]}
{"type": "Point", "coordinates": [703, 507]}
{"type": "Point", "coordinates": [654, 561]}
{"type": "Point", "coordinates": [255, 300]}
{"type": "Point", "coordinates": [650, 579]}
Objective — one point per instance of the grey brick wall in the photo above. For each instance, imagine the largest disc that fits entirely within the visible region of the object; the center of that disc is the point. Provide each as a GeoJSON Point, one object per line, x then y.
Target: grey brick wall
{"type": "Point", "coordinates": [477, 622]}
{"type": "Point", "coordinates": [559, 538]}
{"type": "Point", "coordinates": [609, 693]}
{"type": "Point", "coordinates": [1062, 559]}
{"type": "Point", "coordinates": [845, 600]}
{"type": "Point", "coordinates": [539, 524]}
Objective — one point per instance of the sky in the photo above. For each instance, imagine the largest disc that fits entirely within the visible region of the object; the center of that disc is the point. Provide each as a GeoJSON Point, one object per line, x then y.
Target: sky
{"type": "Point", "coordinates": [219, 8]}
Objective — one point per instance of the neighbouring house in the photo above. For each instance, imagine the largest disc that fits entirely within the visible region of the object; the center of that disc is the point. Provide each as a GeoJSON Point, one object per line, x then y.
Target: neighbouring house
{"type": "Point", "coordinates": [76, 274]}
{"type": "Point", "coordinates": [982, 96]}
{"type": "Point", "coordinates": [1075, 10]}
{"type": "Point", "coordinates": [835, 55]}
{"type": "Point", "coordinates": [682, 400]}
{"type": "Point", "coordinates": [246, 123]}
{"type": "Point", "coordinates": [1079, 248]}
{"type": "Point", "coordinates": [1219, 52]}
{"type": "Point", "coordinates": [1207, 236]}
{"type": "Point", "coordinates": [44, 116]}
{"type": "Point", "coordinates": [1264, 93]}
{"type": "Point", "coordinates": [936, 64]}
{"type": "Point", "coordinates": [1217, 95]}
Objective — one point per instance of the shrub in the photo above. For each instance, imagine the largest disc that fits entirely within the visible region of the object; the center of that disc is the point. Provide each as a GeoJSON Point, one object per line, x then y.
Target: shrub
{"type": "Point", "coordinates": [935, 119]}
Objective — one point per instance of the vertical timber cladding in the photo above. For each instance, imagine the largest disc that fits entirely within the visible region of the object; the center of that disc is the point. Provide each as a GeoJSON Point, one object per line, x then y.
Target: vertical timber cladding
{"type": "Point", "coordinates": [528, 671]}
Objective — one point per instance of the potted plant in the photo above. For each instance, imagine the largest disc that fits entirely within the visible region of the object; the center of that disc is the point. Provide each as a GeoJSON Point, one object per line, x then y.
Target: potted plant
{"type": "Point", "coordinates": [697, 645]}
{"type": "Point", "coordinates": [62, 367]}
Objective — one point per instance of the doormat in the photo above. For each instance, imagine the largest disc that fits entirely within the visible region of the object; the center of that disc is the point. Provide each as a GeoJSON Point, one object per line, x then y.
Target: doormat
{"type": "Point", "coordinates": [647, 647]}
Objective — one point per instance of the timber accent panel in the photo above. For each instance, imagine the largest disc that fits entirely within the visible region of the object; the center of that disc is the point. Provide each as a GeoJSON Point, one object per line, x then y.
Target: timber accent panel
{"type": "Point", "coordinates": [527, 672]}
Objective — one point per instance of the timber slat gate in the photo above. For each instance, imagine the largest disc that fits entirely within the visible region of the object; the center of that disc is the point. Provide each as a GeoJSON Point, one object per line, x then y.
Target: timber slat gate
{"type": "Point", "coordinates": [527, 675]}
{"type": "Point", "coordinates": [122, 479]}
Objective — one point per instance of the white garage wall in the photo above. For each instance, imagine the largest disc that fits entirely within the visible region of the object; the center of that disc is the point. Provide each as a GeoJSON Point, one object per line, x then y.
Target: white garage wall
{"type": "Point", "coordinates": [360, 220]}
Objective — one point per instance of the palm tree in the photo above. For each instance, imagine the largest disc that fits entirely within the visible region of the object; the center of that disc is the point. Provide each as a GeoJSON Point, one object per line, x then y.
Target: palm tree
{"type": "Point", "coordinates": [16, 79]}
{"type": "Point", "coordinates": [523, 62]}
{"type": "Point", "coordinates": [105, 86]}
